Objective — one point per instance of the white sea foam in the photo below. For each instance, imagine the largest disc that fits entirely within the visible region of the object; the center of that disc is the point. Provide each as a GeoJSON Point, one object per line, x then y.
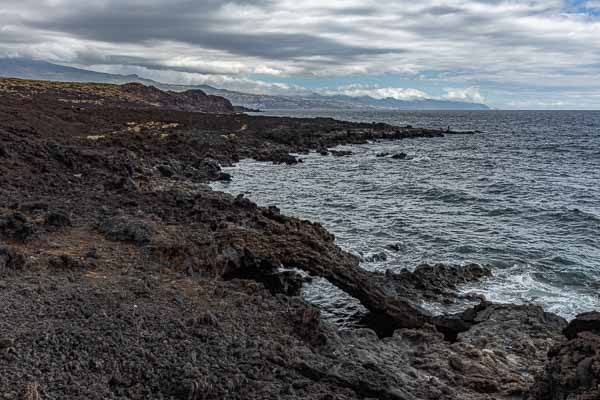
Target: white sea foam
{"type": "Point", "coordinates": [502, 198]}
{"type": "Point", "coordinates": [518, 285]}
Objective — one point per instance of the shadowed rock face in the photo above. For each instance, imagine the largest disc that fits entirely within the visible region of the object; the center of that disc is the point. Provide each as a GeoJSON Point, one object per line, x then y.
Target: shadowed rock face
{"type": "Point", "coordinates": [498, 357]}
{"type": "Point", "coordinates": [191, 100]}
{"type": "Point", "coordinates": [587, 322]}
{"type": "Point", "coordinates": [128, 277]}
{"type": "Point", "coordinates": [573, 368]}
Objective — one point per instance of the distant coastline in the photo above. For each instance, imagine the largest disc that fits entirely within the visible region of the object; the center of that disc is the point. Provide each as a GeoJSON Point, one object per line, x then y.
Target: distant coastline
{"type": "Point", "coordinates": [32, 69]}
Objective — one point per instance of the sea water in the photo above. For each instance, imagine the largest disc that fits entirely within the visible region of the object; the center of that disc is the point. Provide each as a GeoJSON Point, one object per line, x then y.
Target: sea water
{"type": "Point", "coordinates": [523, 196]}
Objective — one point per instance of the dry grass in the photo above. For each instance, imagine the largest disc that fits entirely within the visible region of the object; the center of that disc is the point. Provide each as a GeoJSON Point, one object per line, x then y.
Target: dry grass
{"type": "Point", "coordinates": [71, 92]}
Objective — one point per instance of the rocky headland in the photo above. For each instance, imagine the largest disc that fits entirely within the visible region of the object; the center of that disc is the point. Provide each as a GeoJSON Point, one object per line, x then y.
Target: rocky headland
{"type": "Point", "coordinates": [124, 276]}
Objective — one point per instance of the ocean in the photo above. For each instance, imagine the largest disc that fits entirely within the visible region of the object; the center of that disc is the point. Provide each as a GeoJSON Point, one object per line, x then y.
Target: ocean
{"type": "Point", "coordinates": [522, 196]}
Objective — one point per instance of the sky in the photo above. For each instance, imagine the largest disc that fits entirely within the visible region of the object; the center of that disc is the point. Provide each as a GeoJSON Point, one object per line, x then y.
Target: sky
{"type": "Point", "coordinates": [508, 54]}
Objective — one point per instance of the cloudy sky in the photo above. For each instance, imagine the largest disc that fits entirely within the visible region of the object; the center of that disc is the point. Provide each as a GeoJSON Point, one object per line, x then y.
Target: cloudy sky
{"type": "Point", "coordinates": [506, 53]}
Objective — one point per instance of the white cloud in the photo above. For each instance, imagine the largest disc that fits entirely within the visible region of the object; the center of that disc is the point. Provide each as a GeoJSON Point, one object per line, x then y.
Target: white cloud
{"type": "Point", "coordinates": [376, 92]}
{"type": "Point", "coordinates": [473, 42]}
{"type": "Point", "coordinates": [592, 4]}
{"type": "Point", "coordinates": [470, 94]}
{"type": "Point", "coordinates": [217, 80]}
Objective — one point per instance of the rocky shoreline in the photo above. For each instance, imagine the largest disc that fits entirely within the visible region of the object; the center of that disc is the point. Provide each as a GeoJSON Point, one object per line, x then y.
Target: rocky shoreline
{"type": "Point", "coordinates": [124, 276]}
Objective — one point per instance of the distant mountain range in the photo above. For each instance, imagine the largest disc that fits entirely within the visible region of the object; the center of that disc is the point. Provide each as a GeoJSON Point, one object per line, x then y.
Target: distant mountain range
{"type": "Point", "coordinates": [42, 70]}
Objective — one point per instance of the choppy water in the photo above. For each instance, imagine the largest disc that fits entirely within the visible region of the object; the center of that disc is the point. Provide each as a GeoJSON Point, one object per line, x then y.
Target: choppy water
{"type": "Point", "coordinates": [523, 196]}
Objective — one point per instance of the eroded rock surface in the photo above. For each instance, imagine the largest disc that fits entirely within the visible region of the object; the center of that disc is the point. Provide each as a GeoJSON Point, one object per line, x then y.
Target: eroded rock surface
{"type": "Point", "coordinates": [573, 368]}
{"type": "Point", "coordinates": [124, 276]}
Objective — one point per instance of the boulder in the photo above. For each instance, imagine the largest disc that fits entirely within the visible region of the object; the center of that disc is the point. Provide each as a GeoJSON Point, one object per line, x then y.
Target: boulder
{"type": "Point", "coordinates": [224, 177]}
{"type": "Point", "coordinates": [57, 219]}
{"type": "Point", "coordinates": [123, 229]}
{"type": "Point", "coordinates": [16, 226]}
{"type": "Point", "coordinates": [396, 247]}
{"type": "Point", "coordinates": [66, 262]}
{"type": "Point", "coordinates": [573, 368]}
{"type": "Point", "coordinates": [10, 260]}
{"type": "Point", "coordinates": [287, 159]}
{"type": "Point", "coordinates": [586, 322]}
{"type": "Point", "coordinates": [166, 170]}
{"type": "Point", "coordinates": [341, 153]}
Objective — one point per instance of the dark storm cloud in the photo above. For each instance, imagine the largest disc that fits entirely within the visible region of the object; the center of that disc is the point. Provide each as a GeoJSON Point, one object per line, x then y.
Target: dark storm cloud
{"type": "Point", "coordinates": [199, 24]}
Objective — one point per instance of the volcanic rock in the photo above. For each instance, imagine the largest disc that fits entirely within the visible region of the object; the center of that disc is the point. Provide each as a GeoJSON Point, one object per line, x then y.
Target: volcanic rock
{"type": "Point", "coordinates": [587, 322]}
{"type": "Point", "coordinates": [124, 229]}
{"type": "Point", "coordinates": [16, 226]}
{"type": "Point", "coordinates": [11, 260]}
{"type": "Point", "coordinates": [341, 153]}
{"type": "Point", "coordinates": [573, 368]}
{"type": "Point", "coordinates": [57, 219]}
{"type": "Point", "coordinates": [193, 293]}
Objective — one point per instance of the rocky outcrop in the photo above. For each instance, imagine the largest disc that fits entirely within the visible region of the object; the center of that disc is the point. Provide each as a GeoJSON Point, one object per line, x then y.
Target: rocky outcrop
{"type": "Point", "coordinates": [130, 95]}
{"type": "Point", "coordinates": [573, 368]}
{"type": "Point", "coordinates": [11, 260]}
{"type": "Point", "coordinates": [16, 226]}
{"type": "Point", "coordinates": [586, 322]}
{"type": "Point", "coordinates": [191, 100]}
{"type": "Point", "coordinates": [278, 157]}
{"type": "Point", "coordinates": [129, 278]}
{"type": "Point", "coordinates": [126, 230]}
{"type": "Point", "coordinates": [340, 153]}
{"type": "Point", "coordinates": [197, 100]}
{"type": "Point", "coordinates": [497, 358]}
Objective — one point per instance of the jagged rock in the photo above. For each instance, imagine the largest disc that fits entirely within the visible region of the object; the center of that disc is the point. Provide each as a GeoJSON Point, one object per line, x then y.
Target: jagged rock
{"type": "Point", "coordinates": [587, 322]}
{"type": "Point", "coordinates": [573, 368]}
{"type": "Point", "coordinates": [34, 206]}
{"type": "Point", "coordinates": [309, 324]}
{"type": "Point", "coordinates": [58, 219]}
{"type": "Point", "coordinates": [376, 257]}
{"type": "Point", "coordinates": [92, 254]}
{"type": "Point", "coordinates": [16, 226]}
{"type": "Point", "coordinates": [285, 282]}
{"type": "Point", "coordinates": [166, 170]}
{"type": "Point", "coordinates": [124, 229]}
{"type": "Point", "coordinates": [122, 183]}
{"type": "Point", "coordinates": [223, 176]}
{"type": "Point", "coordinates": [393, 298]}
{"type": "Point", "coordinates": [498, 357]}
{"type": "Point", "coordinates": [211, 168]}
{"type": "Point", "coordinates": [394, 247]}
{"type": "Point", "coordinates": [66, 262]}
{"type": "Point", "coordinates": [61, 154]}
{"type": "Point", "coordinates": [6, 343]}
{"type": "Point", "coordinates": [280, 158]}
{"type": "Point", "coordinates": [191, 100]}
{"type": "Point", "coordinates": [242, 264]}
{"type": "Point", "coordinates": [438, 282]}
{"type": "Point", "coordinates": [10, 260]}
{"type": "Point", "coordinates": [341, 153]}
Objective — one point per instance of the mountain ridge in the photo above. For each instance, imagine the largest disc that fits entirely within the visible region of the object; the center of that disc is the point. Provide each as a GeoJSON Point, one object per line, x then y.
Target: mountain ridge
{"type": "Point", "coordinates": [36, 69]}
